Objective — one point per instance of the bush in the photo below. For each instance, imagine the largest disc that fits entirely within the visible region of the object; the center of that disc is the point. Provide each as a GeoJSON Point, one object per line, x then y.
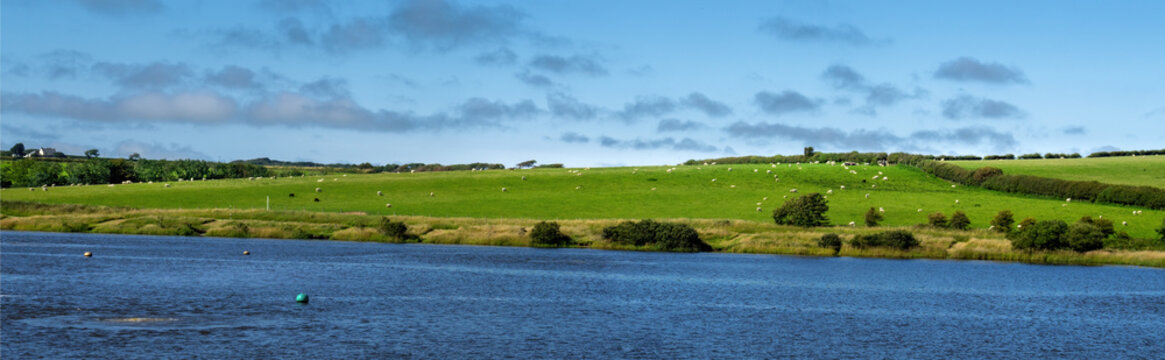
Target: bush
{"type": "Point", "coordinates": [662, 236]}
{"type": "Point", "coordinates": [805, 211]}
{"type": "Point", "coordinates": [1002, 221]}
{"type": "Point", "coordinates": [897, 239]}
{"type": "Point", "coordinates": [873, 217]}
{"type": "Point", "coordinates": [937, 220]}
{"type": "Point", "coordinates": [1044, 235]}
{"type": "Point", "coordinates": [393, 229]}
{"type": "Point", "coordinates": [959, 221]}
{"type": "Point", "coordinates": [547, 234]}
{"type": "Point", "coordinates": [1104, 225]}
{"type": "Point", "coordinates": [830, 241]}
{"type": "Point", "coordinates": [982, 174]}
{"type": "Point", "coordinates": [1161, 230]}
{"type": "Point", "coordinates": [1083, 236]}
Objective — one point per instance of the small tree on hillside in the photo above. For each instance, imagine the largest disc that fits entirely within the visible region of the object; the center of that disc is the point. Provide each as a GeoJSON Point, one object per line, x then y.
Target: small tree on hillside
{"type": "Point", "coordinates": [547, 234]}
{"type": "Point", "coordinates": [959, 221]}
{"type": "Point", "coordinates": [873, 217]}
{"type": "Point", "coordinates": [805, 211]}
{"type": "Point", "coordinates": [135, 157]}
{"type": "Point", "coordinates": [808, 152]}
{"type": "Point", "coordinates": [91, 153]}
{"type": "Point", "coordinates": [393, 229]}
{"type": "Point", "coordinates": [526, 164]}
{"type": "Point", "coordinates": [937, 220]}
{"type": "Point", "coordinates": [1003, 221]}
{"type": "Point", "coordinates": [1043, 235]}
{"type": "Point", "coordinates": [1083, 236]}
{"type": "Point", "coordinates": [17, 150]}
{"type": "Point", "coordinates": [830, 241]}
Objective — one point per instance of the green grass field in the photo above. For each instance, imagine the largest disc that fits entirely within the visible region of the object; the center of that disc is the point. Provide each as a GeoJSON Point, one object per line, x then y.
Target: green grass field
{"type": "Point", "coordinates": [622, 193]}
{"type": "Point", "coordinates": [1128, 170]}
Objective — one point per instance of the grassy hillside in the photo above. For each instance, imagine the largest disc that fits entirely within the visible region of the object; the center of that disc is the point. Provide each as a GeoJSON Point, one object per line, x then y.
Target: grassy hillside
{"type": "Point", "coordinates": [1127, 170]}
{"type": "Point", "coordinates": [608, 193]}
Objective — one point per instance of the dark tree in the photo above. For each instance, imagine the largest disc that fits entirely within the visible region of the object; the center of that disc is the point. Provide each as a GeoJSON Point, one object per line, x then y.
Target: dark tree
{"type": "Point", "coordinates": [1083, 236]}
{"type": "Point", "coordinates": [1106, 227]}
{"type": "Point", "coordinates": [526, 164]}
{"type": "Point", "coordinates": [808, 152]}
{"type": "Point", "coordinates": [873, 217]}
{"type": "Point", "coordinates": [547, 234]}
{"type": "Point", "coordinates": [134, 157]}
{"type": "Point", "coordinates": [91, 153]}
{"type": "Point", "coordinates": [804, 211]}
{"type": "Point", "coordinates": [1044, 235]}
{"type": "Point", "coordinates": [17, 150]}
{"type": "Point", "coordinates": [937, 219]}
{"type": "Point", "coordinates": [1003, 221]}
{"type": "Point", "coordinates": [959, 221]}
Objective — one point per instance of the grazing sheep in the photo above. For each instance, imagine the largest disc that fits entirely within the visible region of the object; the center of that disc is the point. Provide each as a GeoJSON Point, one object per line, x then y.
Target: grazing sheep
{"type": "Point", "coordinates": [431, 194]}
{"type": "Point", "coordinates": [768, 171]}
{"type": "Point", "coordinates": [387, 205]}
{"type": "Point", "coordinates": [319, 190]}
{"type": "Point", "coordinates": [919, 209]}
{"type": "Point", "coordinates": [316, 199]}
{"type": "Point", "coordinates": [956, 201]}
{"type": "Point", "coordinates": [732, 186]}
{"type": "Point", "coordinates": [881, 210]}
{"type": "Point", "coordinates": [379, 193]}
{"type": "Point", "coordinates": [851, 223]}
{"type": "Point", "coordinates": [30, 189]}
{"type": "Point", "coordinates": [792, 190]}
{"type": "Point", "coordinates": [830, 191]}
{"type": "Point", "coordinates": [784, 196]}
{"type": "Point", "coordinates": [755, 170]}
{"type": "Point", "coordinates": [884, 178]}
{"type": "Point", "coordinates": [1124, 223]}
{"type": "Point", "coordinates": [713, 179]}
{"type": "Point", "coordinates": [578, 187]}
{"type": "Point", "coordinates": [992, 227]}
{"type": "Point", "coordinates": [504, 190]}
{"type": "Point", "coordinates": [44, 188]}
{"type": "Point", "coordinates": [652, 189]}
{"type": "Point", "coordinates": [729, 169]}
{"type": "Point", "coordinates": [879, 173]}
{"type": "Point", "coordinates": [843, 187]}
{"type": "Point", "coordinates": [758, 204]}
{"type": "Point", "coordinates": [291, 195]}
{"type": "Point", "coordinates": [874, 186]}
{"type": "Point", "coordinates": [1068, 200]}
{"type": "Point", "coordinates": [758, 209]}
{"type": "Point", "coordinates": [867, 195]}
{"type": "Point", "coordinates": [523, 178]}
{"type": "Point", "coordinates": [320, 180]}
{"type": "Point", "coordinates": [952, 186]}
{"type": "Point", "coordinates": [875, 177]}
{"type": "Point", "coordinates": [1063, 205]}
{"type": "Point", "coordinates": [167, 185]}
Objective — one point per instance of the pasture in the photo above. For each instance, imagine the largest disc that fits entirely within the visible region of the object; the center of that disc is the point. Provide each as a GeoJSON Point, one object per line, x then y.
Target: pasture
{"type": "Point", "coordinates": [905, 194]}
{"type": "Point", "coordinates": [1127, 170]}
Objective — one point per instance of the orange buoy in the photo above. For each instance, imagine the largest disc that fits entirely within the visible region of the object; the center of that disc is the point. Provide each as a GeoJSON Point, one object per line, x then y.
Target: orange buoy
{"type": "Point", "coordinates": [245, 252]}
{"type": "Point", "coordinates": [88, 254]}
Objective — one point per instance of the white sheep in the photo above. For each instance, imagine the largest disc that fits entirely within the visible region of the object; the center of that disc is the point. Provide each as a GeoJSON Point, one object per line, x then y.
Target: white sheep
{"type": "Point", "coordinates": [387, 205]}
{"type": "Point", "coordinates": [792, 190]}
{"type": "Point", "coordinates": [578, 187]}
{"type": "Point", "coordinates": [956, 201]}
{"type": "Point", "coordinates": [768, 171]}
{"type": "Point", "coordinates": [875, 177]}
{"type": "Point", "coordinates": [319, 190]}
{"type": "Point", "coordinates": [881, 210]}
{"type": "Point", "coordinates": [379, 193]}
{"type": "Point", "coordinates": [1068, 200]}
{"type": "Point", "coordinates": [867, 195]}
{"type": "Point", "coordinates": [755, 170]}
{"type": "Point", "coordinates": [320, 180]}
{"type": "Point", "coordinates": [504, 190]}
{"type": "Point", "coordinates": [758, 204]}
{"type": "Point", "coordinates": [732, 186]}
{"type": "Point", "coordinates": [758, 208]}
{"type": "Point", "coordinates": [830, 191]}
{"type": "Point", "coordinates": [843, 187]}
{"type": "Point", "coordinates": [523, 178]}
{"type": "Point", "coordinates": [729, 169]}
{"type": "Point", "coordinates": [167, 185]}
{"type": "Point", "coordinates": [851, 223]}
{"type": "Point", "coordinates": [884, 178]}
{"type": "Point", "coordinates": [952, 186]}
{"type": "Point", "coordinates": [713, 179]}
{"type": "Point", "coordinates": [919, 209]}
{"type": "Point", "coordinates": [1124, 223]}
{"type": "Point", "coordinates": [879, 173]}
{"type": "Point", "coordinates": [431, 194]}
{"type": "Point", "coordinates": [766, 198]}
{"type": "Point", "coordinates": [874, 186]}
{"type": "Point", "coordinates": [652, 189]}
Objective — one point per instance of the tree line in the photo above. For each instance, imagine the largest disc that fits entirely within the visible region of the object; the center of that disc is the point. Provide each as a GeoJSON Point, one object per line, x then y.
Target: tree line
{"type": "Point", "coordinates": [32, 172]}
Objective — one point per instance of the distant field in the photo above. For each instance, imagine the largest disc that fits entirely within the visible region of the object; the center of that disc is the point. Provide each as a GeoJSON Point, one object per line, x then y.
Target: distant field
{"type": "Point", "coordinates": [1140, 170]}
{"type": "Point", "coordinates": [618, 193]}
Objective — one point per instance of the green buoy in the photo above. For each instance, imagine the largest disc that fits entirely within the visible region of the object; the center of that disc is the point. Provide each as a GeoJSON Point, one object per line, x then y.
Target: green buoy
{"type": "Point", "coordinates": [301, 298]}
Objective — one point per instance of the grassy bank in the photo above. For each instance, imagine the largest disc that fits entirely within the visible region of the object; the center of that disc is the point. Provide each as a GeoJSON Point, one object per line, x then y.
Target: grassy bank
{"type": "Point", "coordinates": [735, 236]}
{"type": "Point", "coordinates": [697, 192]}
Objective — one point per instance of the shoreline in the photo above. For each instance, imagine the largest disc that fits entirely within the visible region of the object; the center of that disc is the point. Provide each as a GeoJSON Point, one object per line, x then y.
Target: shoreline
{"type": "Point", "coordinates": [725, 236]}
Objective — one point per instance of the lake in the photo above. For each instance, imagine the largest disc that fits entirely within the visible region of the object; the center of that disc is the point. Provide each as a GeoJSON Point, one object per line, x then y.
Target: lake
{"type": "Point", "coordinates": [155, 297]}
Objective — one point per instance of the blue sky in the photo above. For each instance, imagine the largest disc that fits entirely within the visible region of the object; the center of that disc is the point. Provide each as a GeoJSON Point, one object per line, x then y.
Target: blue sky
{"type": "Point", "coordinates": [585, 83]}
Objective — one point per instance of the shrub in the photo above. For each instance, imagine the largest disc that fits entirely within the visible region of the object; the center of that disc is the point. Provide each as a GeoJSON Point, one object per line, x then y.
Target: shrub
{"type": "Point", "coordinates": [830, 241]}
{"type": "Point", "coordinates": [1161, 230]}
{"type": "Point", "coordinates": [937, 220]}
{"type": "Point", "coordinates": [873, 217]}
{"type": "Point", "coordinates": [662, 236]}
{"type": "Point", "coordinates": [1104, 225]}
{"type": "Point", "coordinates": [805, 211]}
{"type": "Point", "coordinates": [982, 174]}
{"type": "Point", "coordinates": [547, 234]}
{"type": "Point", "coordinates": [393, 229]}
{"type": "Point", "coordinates": [1044, 235]}
{"type": "Point", "coordinates": [1002, 221]}
{"type": "Point", "coordinates": [1083, 236]}
{"type": "Point", "coordinates": [898, 239]}
{"type": "Point", "coordinates": [959, 221]}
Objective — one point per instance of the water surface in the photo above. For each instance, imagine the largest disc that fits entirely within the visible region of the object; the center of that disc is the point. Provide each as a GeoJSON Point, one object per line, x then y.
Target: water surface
{"type": "Point", "coordinates": [162, 297]}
